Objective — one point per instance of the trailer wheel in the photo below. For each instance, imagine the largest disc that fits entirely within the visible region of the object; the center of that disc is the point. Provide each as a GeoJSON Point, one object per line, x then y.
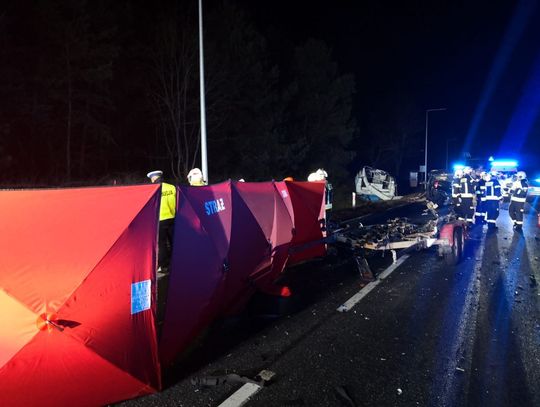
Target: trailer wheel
{"type": "Point", "coordinates": [456, 251]}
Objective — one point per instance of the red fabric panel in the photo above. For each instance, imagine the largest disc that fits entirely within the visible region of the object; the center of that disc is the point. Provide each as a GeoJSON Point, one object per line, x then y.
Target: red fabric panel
{"type": "Point", "coordinates": [212, 205]}
{"type": "Point", "coordinates": [73, 254]}
{"type": "Point", "coordinates": [197, 273]}
{"type": "Point", "coordinates": [250, 249]}
{"type": "Point", "coordinates": [282, 231]}
{"type": "Point", "coordinates": [55, 369]}
{"type": "Point", "coordinates": [281, 187]}
{"type": "Point", "coordinates": [102, 305]}
{"type": "Point", "coordinates": [307, 200]}
{"type": "Point", "coordinates": [265, 202]}
{"type": "Point", "coordinates": [259, 198]}
{"type": "Point", "coordinates": [42, 233]}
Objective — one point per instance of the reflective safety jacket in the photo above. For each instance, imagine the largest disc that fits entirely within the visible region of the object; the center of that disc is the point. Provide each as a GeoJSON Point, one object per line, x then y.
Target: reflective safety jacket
{"type": "Point", "coordinates": [519, 190]}
{"type": "Point", "coordinates": [480, 189]}
{"type": "Point", "coordinates": [492, 191]}
{"type": "Point", "coordinates": [168, 202]}
{"type": "Point", "coordinates": [456, 187]}
{"type": "Point", "coordinates": [467, 186]}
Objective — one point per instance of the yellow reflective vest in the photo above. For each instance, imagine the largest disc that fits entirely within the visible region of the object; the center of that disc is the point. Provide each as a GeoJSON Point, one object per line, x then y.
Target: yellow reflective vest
{"type": "Point", "coordinates": [168, 201]}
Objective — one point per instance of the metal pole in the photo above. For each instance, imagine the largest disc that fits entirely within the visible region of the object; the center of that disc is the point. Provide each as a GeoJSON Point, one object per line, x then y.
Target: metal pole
{"type": "Point", "coordinates": [425, 152]}
{"type": "Point", "coordinates": [447, 141]}
{"type": "Point", "coordinates": [426, 146]}
{"type": "Point", "coordinates": [204, 157]}
{"type": "Point", "coordinates": [446, 163]}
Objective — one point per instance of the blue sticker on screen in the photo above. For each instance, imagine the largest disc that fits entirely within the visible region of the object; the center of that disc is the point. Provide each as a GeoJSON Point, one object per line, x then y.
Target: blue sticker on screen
{"type": "Point", "coordinates": [140, 296]}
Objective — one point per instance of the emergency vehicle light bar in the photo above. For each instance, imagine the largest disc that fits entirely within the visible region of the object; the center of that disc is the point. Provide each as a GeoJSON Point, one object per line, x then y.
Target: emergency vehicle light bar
{"type": "Point", "coordinates": [504, 164]}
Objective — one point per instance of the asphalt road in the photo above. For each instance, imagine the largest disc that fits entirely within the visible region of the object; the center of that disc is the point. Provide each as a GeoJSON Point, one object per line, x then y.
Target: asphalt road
{"type": "Point", "coordinates": [428, 335]}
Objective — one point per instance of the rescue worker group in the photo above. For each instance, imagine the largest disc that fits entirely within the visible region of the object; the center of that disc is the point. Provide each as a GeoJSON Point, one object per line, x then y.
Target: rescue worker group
{"type": "Point", "coordinates": [476, 196]}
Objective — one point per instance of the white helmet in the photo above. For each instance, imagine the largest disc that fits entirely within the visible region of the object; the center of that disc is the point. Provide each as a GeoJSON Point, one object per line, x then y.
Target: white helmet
{"type": "Point", "coordinates": [195, 177]}
{"type": "Point", "coordinates": [521, 175]}
{"type": "Point", "coordinates": [319, 175]}
{"type": "Point", "coordinates": [458, 173]}
{"type": "Point", "coordinates": [487, 176]}
{"type": "Point", "coordinates": [467, 170]}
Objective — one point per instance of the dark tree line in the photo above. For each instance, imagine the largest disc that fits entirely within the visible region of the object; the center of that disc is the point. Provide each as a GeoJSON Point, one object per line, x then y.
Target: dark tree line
{"type": "Point", "coordinates": [96, 90]}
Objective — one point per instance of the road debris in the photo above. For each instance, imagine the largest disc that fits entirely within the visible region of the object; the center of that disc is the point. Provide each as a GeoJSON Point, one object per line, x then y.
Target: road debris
{"type": "Point", "coordinates": [210, 381]}
{"type": "Point", "coordinates": [344, 395]}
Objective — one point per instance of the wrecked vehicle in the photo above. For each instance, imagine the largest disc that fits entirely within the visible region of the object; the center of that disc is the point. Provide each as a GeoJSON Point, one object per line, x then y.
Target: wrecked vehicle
{"type": "Point", "coordinates": [439, 188]}
{"type": "Point", "coordinates": [374, 185]}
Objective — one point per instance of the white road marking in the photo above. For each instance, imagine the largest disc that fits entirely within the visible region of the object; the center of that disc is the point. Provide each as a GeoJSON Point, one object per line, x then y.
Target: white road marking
{"type": "Point", "coordinates": [241, 396]}
{"type": "Point", "coordinates": [393, 266]}
{"type": "Point", "coordinates": [355, 299]}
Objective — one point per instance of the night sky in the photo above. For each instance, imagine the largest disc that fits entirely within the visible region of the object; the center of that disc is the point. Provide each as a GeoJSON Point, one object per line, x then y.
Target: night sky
{"type": "Point", "coordinates": [479, 59]}
{"type": "Point", "coordinates": [103, 116]}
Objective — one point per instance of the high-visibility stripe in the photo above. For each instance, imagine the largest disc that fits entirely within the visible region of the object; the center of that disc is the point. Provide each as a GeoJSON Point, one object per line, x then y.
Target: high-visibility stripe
{"type": "Point", "coordinates": [516, 199]}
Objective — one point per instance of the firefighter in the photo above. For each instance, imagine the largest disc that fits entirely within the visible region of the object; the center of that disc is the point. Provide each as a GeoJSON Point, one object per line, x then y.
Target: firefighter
{"type": "Point", "coordinates": [322, 175]}
{"type": "Point", "coordinates": [504, 181]}
{"type": "Point", "coordinates": [467, 194]}
{"type": "Point", "coordinates": [518, 193]}
{"type": "Point", "coordinates": [456, 191]}
{"type": "Point", "coordinates": [479, 188]}
{"type": "Point", "coordinates": [167, 213]}
{"type": "Point", "coordinates": [492, 198]}
{"type": "Point", "coordinates": [195, 178]}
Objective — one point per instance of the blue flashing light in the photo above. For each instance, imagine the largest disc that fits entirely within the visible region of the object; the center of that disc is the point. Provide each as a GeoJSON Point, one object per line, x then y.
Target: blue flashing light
{"type": "Point", "coordinates": [490, 159]}
{"type": "Point", "coordinates": [458, 167]}
{"type": "Point", "coordinates": [508, 163]}
{"type": "Point", "coordinates": [537, 180]}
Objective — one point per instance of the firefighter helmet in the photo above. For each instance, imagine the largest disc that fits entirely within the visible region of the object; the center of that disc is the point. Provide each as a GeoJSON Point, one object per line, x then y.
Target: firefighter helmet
{"type": "Point", "coordinates": [521, 175]}
{"type": "Point", "coordinates": [319, 175]}
{"type": "Point", "coordinates": [458, 173]}
{"type": "Point", "coordinates": [195, 177]}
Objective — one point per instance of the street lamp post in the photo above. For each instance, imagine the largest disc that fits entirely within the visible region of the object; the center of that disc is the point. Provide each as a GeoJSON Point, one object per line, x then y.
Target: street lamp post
{"type": "Point", "coordinates": [204, 160]}
{"type": "Point", "coordinates": [425, 149]}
